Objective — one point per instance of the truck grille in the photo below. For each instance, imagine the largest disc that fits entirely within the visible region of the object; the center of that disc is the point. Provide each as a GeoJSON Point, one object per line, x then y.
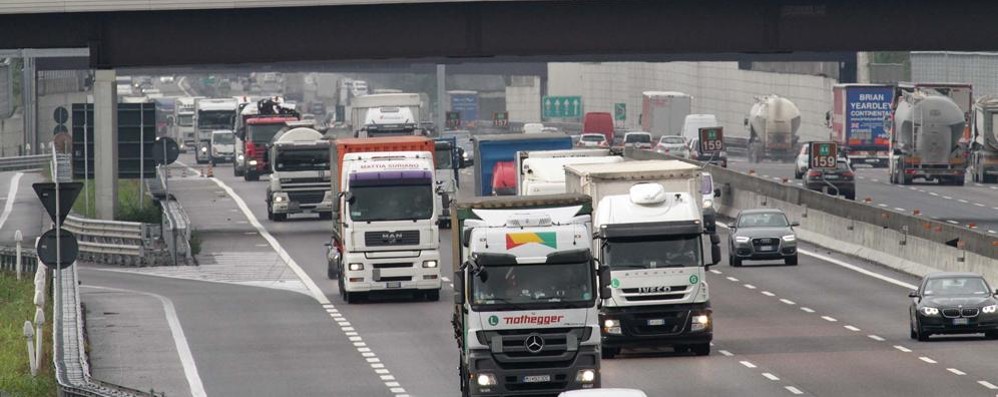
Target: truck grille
{"type": "Point", "coordinates": [558, 346]}
{"type": "Point", "coordinates": [671, 292]}
{"type": "Point", "coordinates": [391, 265]}
{"type": "Point", "coordinates": [673, 323]}
{"type": "Point", "coordinates": [312, 197]}
{"type": "Point", "coordinates": [386, 238]}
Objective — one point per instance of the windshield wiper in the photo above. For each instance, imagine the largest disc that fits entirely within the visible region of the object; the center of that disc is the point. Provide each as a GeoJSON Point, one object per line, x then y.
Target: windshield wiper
{"type": "Point", "coordinates": [505, 301]}
{"type": "Point", "coordinates": [612, 267]}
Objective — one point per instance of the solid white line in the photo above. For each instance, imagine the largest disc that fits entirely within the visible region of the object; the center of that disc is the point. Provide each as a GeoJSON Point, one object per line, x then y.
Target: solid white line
{"type": "Point", "coordinates": [788, 301]}
{"type": "Point", "coordinates": [770, 376]}
{"type": "Point", "coordinates": [899, 209]}
{"type": "Point", "coordinates": [793, 390]}
{"type": "Point", "coordinates": [807, 309]}
{"type": "Point", "coordinates": [732, 279]}
{"type": "Point", "coordinates": [749, 286]}
{"type": "Point", "coordinates": [747, 364]}
{"type": "Point", "coordinates": [179, 340]}
{"type": "Point", "coordinates": [725, 353]}
{"type": "Point", "coordinates": [876, 338]}
{"type": "Point", "coordinates": [987, 384]}
{"type": "Point", "coordinates": [858, 269]}
{"type": "Point", "coordinates": [956, 371]}
{"type": "Point", "coordinates": [829, 319]}
{"type": "Point", "coordinates": [851, 328]}
{"type": "Point", "coordinates": [902, 348]}
{"type": "Point", "coordinates": [767, 293]}
{"type": "Point", "coordinates": [11, 194]}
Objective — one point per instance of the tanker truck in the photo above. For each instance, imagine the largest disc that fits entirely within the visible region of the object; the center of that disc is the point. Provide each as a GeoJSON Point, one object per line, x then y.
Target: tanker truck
{"type": "Point", "coordinates": [925, 139]}
{"type": "Point", "coordinates": [772, 125]}
{"type": "Point", "coordinates": [983, 164]}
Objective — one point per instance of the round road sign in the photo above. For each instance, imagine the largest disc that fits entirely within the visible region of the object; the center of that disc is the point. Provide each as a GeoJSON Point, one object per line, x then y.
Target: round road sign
{"type": "Point", "coordinates": [46, 249]}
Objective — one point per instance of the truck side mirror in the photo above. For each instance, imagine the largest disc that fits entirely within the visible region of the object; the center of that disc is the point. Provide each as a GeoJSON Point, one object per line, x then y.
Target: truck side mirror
{"type": "Point", "coordinates": [794, 224]}
{"type": "Point", "coordinates": [717, 192]}
{"type": "Point", "coordinates": [604, 283]}
{"type": "Point", "coordinates": [458, 287]}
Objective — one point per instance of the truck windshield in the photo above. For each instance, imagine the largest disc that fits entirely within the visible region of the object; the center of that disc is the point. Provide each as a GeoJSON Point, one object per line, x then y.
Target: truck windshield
{"type": "Point", "coordinates": [302, 160]}
{"type": "Point", "coordinates": [653, 252]}
{"type": "Point", "coordinates": [391, 203]}
{"type": "Point", "coordinates": [538, 286]}
{"type": "Point", "coordinates": [185, 120]}
{"type": "Point", "coordinates": [262, 133]}
{"type": "Point", "coordinates": [443, 158]}
{"type": "Point", "coordinates": [216, 119]}
{"type": "Point", "coordinates": [223, 139]}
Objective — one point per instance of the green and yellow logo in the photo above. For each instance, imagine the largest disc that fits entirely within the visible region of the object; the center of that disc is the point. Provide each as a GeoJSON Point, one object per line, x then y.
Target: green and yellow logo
{"type": "Point", "coordinates": [493, 320]}
{"type": "Point", "coordinates": [514, 240]}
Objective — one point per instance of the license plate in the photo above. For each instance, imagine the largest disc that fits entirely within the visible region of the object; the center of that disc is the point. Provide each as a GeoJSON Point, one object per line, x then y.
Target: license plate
{"type": "Point", "coordinates": [960, 321]}
{"type": "Point", "coordinates": [536, 378]}
{"type": "Point", "coordinates": [872, 160]}
{"type": "Point", "coordinates": [831, 177]}
{"type": "Point", "coordinates": [393, 284]}
{"type": "Point", "coordinates": [656, 321]}
{"type": "Point", "coordinates": [766, 248]}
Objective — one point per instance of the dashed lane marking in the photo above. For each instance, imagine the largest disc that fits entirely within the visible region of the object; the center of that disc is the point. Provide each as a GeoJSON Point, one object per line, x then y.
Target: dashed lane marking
{"type": "Point", "coordinates": [902, 348]}
{"type": "Point", "coordinates": [793, 390]}
{"type": "Point", "coordinates": [933, 194]}
{"type": "Point", "coordinates": [876, 338]}
{"type": "Point", "coordinates": [749, 286]}
{"type": "Point", "coordinates": [788, 301]}
{"type": "Point", "coordinates": [956, 371]}
{"type": "Point", "coordinates": [770, 376]}
{"type": "Point", "coordinates": [829, 319]}
{"type": "Point", "coordinates": [725, 353]}
{"type": "Point", "coordinates": [987, 385]}
{"type": "Point", "coordinates": [899, 209]}
{"type": "Point", "coordinates": [952, 222]}
{"type": "Point", "coordinates": [851, 328]}
{"type": "Point", "coordinates": [947, 197]}
{"type": "Point", "coordinates": [715, 271]}
{"type": "Point", "coordinates": [882, 205]}
{"type": "Point", "coordinates": [767, 293]}
{"type": "Point", "coordinates": [963, 201]}
{"type": "Point", "coordinates": [732, 279]}
{"type": "Point", "coordinates": [979, 204]}
{"type": "Point", "coordinates": [747, 364]}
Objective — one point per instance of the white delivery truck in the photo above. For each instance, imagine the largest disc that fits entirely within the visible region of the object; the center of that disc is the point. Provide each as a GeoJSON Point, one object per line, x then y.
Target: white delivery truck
{"type": "Point", "coordinates": [385, 115]}
{"type": "Point", "coordinates": [300, 175]}
{"type": "Point", "coordinates": [526, 295]}
{"type": "Point", "coordinates": [212, 114]}
{"type": "Point", "coordinates": [184, 123]}
{"type": "Point", "coordinates": [385, 237]}
{"type": "Point", "coordinates": [663, 112]}
{"type": "Point", "coordinates": [541, 172]}
{"type": "Point", "coordinates": [649, 230]}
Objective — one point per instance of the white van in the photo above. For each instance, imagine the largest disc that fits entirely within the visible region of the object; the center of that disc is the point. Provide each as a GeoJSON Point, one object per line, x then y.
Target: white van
{"type": "Point", "coordinates": [533, 128]}
{"type": "Point", "coordinates": [694, 122]}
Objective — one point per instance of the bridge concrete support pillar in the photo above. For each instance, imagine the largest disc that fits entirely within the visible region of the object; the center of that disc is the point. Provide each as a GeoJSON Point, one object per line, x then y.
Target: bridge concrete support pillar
{"type": "Point", "coordinates": [439, 118]}
{"type": "Point", "coordinates": [105, 144]}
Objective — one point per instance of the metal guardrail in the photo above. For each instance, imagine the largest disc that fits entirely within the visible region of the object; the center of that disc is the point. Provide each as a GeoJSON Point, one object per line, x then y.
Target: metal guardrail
{"type": "Point", "coordinates": [110, 242]}
{"type": "Point", "coordinates": [176, 232]}
{"type": "Point", "coordinates": [8, 260]}
{"type": "Point", "coordinates": [22, 163]}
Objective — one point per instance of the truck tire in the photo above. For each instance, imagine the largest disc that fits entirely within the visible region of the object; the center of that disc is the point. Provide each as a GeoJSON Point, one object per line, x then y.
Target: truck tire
{"type": "Point", "coordinates": [432, 295]}
{"type": "Point", "coordinates": [610, 352]}
{"type": "Point", "coordinates": [251, 176]}
{"type": "Point", "coordinates": [702, 349]}
{"type": "Point", "coordinates": [733, 261]}
{"type": "Point", "coordinates": [906, 180]}
{"type": "Point", "coordinates": [332, 272]}
{"type": "Point", "coordinates": [280, 217]}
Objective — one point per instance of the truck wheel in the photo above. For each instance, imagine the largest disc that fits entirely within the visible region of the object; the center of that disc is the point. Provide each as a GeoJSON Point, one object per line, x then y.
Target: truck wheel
{"type": "Point", "coordinates": [432, 296]}
{"type": "Point", "coordinates": [251, 176]}
{"type": "Point", "coordinates": [702, 349]}
{"type": "Point", "coordinates": [610, 352]}
{"type": "Point", "coordinates": [791, 261]}
{"type": "Point", "coordinates": [280, 217]}
{"type": "Point", "coordinates": [734, 262]}
{"type": "Point", "coordinates": [907, 180]}
{"type": "Point", "coordinates": [332, 271]}
{"type": "Point", "coordinates": [270, 215]}
{"type": "Point", "coordinates": [959, 180]}
{"type": "Point", "coordinates": [798, 174]}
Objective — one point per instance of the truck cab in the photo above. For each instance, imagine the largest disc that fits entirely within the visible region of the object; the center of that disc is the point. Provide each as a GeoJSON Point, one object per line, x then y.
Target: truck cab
{"type": "Point", "coordinates": [300, 175]}
{"type": "Point", "coordinates": [449, 160]}
{"type": "Point", "coordinates": [525, 297]}
{"type": "Point", "coordinates": [212, 114]}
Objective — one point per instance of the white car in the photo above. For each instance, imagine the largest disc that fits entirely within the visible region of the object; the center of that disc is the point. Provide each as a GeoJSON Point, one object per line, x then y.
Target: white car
{"type": "Point", "coordinates": [640, 140]}
{"type": "Point", "coordinates": [673, 145]}
{"type": "Point", "coordinates": [604, 393]}
{"type": "Point", "coordinates": [800, 164]}
{"type": "Point", "coordinates": [166, 79]}
{"type": "Point", "coordinates": [593, 140]}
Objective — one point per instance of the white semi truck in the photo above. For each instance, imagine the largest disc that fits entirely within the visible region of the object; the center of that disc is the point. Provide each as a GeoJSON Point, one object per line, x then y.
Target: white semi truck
{"type": "Point", "coordinates": [184, 123]}
{"type": "Point", "coordinates": [212, 114]}
{"type": "Point", "coordinates": [926, 129]}
{"type": "Point", "coordinates": [649, 232]}
{"type": "Point", "coordinates": [385, 235]}
{"type": "Point", "coordinates": [983, 166]}
{"type": "Point", "coordinates": [526, 295]}
{"type": "Point", "coordinates": [300, 175]}
{"type": "Point", "coordinates": [542, 172]}
{"type": "Point", "coordinates": [385, 115]}
{"type": "Point", "coordinates": [772, 125]}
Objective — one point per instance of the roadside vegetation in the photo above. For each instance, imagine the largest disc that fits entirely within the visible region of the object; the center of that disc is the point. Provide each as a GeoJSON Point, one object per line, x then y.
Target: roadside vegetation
{"type": "Point", "coordinates": [16, 306]}
{"type": "Point", "coordinates": [131, 207]}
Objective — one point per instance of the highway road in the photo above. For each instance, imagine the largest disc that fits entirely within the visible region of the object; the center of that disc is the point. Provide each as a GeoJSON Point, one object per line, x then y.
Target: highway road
{"type": "Point", "coordinates": [816, 329]}
{"type": "Point", "coordinates": [972, 203]}
{"type": "Point", "coordinates": [20, 208]}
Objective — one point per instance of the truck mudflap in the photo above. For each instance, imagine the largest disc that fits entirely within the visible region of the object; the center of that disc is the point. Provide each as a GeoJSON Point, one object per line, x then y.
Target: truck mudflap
{"type": "Point", "coordinates": [657, 326]}
{"type": "Point", "coordinates": [534, 379]}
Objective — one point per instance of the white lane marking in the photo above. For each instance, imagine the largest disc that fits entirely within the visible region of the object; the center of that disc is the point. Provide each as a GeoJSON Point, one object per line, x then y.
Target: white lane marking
{"type": "Point", "coordinates": [882, 205]}
{"type": "Point", "coordinates": [829, 319]}
{"type": "Point", "coordinates": [876, 338]}
{"type": "Point", "coordinates": [963, 201]}
{"type": "Point", "coordinates": [934, 194]}
{"type": "Point", "coordinates": [446, 279]}
{"type": "Point", "coordinates": [912, 188]}
{"type": "Point", "coordinates": [788, 301]}
{"type": "Point", "coordinates": [179, 340]}
{"type": "Point", "coordinates": [770, 376]}
{"type": "Point", "coordinates": [902, 348]}
{"type": "Point", "coordinates": [953, 222]}
{"type": "Point", "coordinates": [992, 231]}
{"type": "Point", "coordinates": [317, 293]}
{"type": "Point", "coordinates": [956, 371]}
{"type": "Point", "coordinates": [978, 185]}
{"type": "Point", "coordinates": [979, 204]}
{"type": "Point", "coordinates": [732, 279]}
{"type": "Point", "coordinates": [807, 309]}
{"type": "Point", "coordinates": [715, 271]}
{"type": "Point", "coordinates": [725, 353]}
{"type": "Point", "coordinates": [250, 233]}
{"type": "Point", "coordinates": [747, 364]}
{"type": "Point", "coordinates": [387, 377]}
{"type": "Point", "coordinates": [994, 208]}
{"type": "Point", "coordinates": [851, 328]}
{"type": "Point", "coordinates": [947, 197]}
{"type": "Point", "coordinates": [749, 286]}
{"type": "Point", "coordinates": [11, 195]}
{"type": "Point", "coordinates": [899, 209]}
{"type": "Point", "coordinates": [987, 385]}
{"type": "Point", "coordinates": [858, 269]}
{"type": "Point", "coordinates": [875, 180]}
{"type": "Point", "coordinates": [765, 176]}
{"type": "Point", "coordinates": [793, 390]}
{"type": "Point", "coordinates": [767, 293]}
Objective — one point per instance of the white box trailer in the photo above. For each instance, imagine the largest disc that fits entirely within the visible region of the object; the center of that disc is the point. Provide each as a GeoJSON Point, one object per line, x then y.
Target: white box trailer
{"type": "Point", "coordinates": [601, 180]}
{"type": "Point", "coordinates": [360, 105]}
{"type": "Point", "coordinates": [543, 172]}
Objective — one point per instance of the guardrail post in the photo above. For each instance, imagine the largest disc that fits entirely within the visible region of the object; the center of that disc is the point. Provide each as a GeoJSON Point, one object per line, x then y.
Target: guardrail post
{"type": "Point", "coordinates": [29, 333]}
{"type": "Point", "coordinates": [17, 261]}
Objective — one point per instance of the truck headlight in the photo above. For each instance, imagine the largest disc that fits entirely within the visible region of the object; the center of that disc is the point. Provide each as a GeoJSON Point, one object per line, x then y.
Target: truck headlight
{"type": "Point", "coordinates": [278, 199]}
{"type": "Point", "coordinates": [431, 264]}
{"type": "Point", "coordinates": [252, 163]}
{"type": "Point", "coordinates": [586, 376]}
{"type": "Point", "coordinates": [708, 204]}
{"type": "Point", "coordinates": [355, 267]}
{"type": "Point", "coordinates": [742, 239]}
{"type": "Point", "coordinates": [789, 238]}
{"type": "Point", "coordinates": [700, 322]}
{"type": "Point", "coordinates": [241, 158]}
{"type": "Point", "coordinates": [486, 380]}
{"type": "Point", "coordinates": [612, 326]}
{"type": "Point", "coordinates": [990, 309]}
{"type": "Point", "coordinates": [930, 311]}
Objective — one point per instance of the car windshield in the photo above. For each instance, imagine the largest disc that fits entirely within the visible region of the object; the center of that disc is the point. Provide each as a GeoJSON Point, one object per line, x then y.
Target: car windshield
{"type": "Point", "coordinates": [637, 138]}
{"type": "Point", "coordinates": [302, 160]}
{"type": "Point", "coordinates": [956, 286]}
{"type": "Point", "coordinates": [185, 120]}
{"type": "Point", "coordinates": [533, 286]}
{"type": "Point", "coordinates": [593, 138]}
{"type": "Point", "coordinates": [391, 203]}
{"type": "Point", "coordinates": [763, 219]}
{"type": "Point", "coordinates": [262, 133]}
{"type": "Point", "coordinates": [652, 252]}
{"type": "Point", "coordinates": [216, 119]}
{"type": "Point", "coordinates": [223, 139]}
{"type": "Point", "coordinates": [672, 140]}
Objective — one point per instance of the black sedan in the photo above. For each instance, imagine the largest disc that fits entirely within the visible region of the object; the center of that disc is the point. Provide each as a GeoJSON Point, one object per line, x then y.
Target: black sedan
{"type": "Point", "coordinates": [953, 303]}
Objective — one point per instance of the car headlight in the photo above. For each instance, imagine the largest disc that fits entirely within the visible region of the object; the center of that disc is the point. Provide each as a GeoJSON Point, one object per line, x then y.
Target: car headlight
{"type": "Point", "coordinates": [204, 150]}
{"type": "Point", "coordinates": [586, 376]}
{"type": "Point", "coordinates": [990, 309]}
{"type": "Point", "coordinates": [431, 264]}
{"type": "Point", "coordinates": [612, 326]}
{"type": "Point", "coordinates": [790, 238]}
{"type": "Point", "coordinates": [742, 239]}
{"type": "Point", "coordinates": [486, 380]}
{"type": "Point", "coordinates": [355, 267]}
{"type": "Point", "coordinates": [241, 158]}
{"type": "Point", "coordinates": [930, 311]}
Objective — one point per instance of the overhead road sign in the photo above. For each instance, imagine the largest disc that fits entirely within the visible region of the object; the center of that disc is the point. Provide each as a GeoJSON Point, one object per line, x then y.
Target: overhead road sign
{"type": "Point", "coordinates": [561, 107]}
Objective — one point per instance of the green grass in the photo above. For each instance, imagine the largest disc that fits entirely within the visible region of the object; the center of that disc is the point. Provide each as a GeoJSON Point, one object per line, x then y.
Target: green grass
{"type": "Point", "coordinates": [129, 207]}
{"type": "Point", "coordinates": [16, 306]}
{"type": "Point", "coordinates": [195, 242]}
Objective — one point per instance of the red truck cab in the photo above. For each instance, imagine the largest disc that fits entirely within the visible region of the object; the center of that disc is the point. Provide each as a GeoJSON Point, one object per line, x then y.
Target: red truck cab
{"type": "Point", "coordinates": [599, 123]}
{"type": "Point", "coordinates": [504, 179]}
{"type": "Point", "coordinates": [258, 134]}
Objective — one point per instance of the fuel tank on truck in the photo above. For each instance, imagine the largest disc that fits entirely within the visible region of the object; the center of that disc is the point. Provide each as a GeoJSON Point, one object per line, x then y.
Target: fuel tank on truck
{"type": "Point", "coordinates": [774, 121]}
{"type": "Point", "coordinates": [929, 127]}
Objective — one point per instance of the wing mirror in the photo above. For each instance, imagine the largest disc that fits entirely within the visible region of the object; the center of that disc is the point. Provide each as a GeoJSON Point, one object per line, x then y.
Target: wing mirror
{"type": "Point", "coordinates": [914, 294]}
{"type": "Point", "coordinates": [459, 287]}
{"type": "Point", "coordinates": [604, 283]}
{"type": "Point", "coordinates": [732, 225]}
{"type": "Point", "coordinates": [794, 224]}
{"type": "Point", "coordinates": [717, 192]}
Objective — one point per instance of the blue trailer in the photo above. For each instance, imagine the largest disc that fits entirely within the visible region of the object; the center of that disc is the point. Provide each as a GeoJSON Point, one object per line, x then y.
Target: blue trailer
{"type": "Point", "coordinates": [492, 149]}
{"type": "Point", "coordinates": [857, 121]}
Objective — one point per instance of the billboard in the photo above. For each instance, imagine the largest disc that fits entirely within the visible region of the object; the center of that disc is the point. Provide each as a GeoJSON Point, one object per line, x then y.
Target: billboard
{"type": "Point", "coordinates": [866, 108]}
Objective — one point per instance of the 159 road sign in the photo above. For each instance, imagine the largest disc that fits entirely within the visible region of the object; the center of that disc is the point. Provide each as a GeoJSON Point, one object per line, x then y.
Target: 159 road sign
{"type": "Point", "coordinates": [711, 140]}
{"type": "Point", "coordinates": [823, 155]}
